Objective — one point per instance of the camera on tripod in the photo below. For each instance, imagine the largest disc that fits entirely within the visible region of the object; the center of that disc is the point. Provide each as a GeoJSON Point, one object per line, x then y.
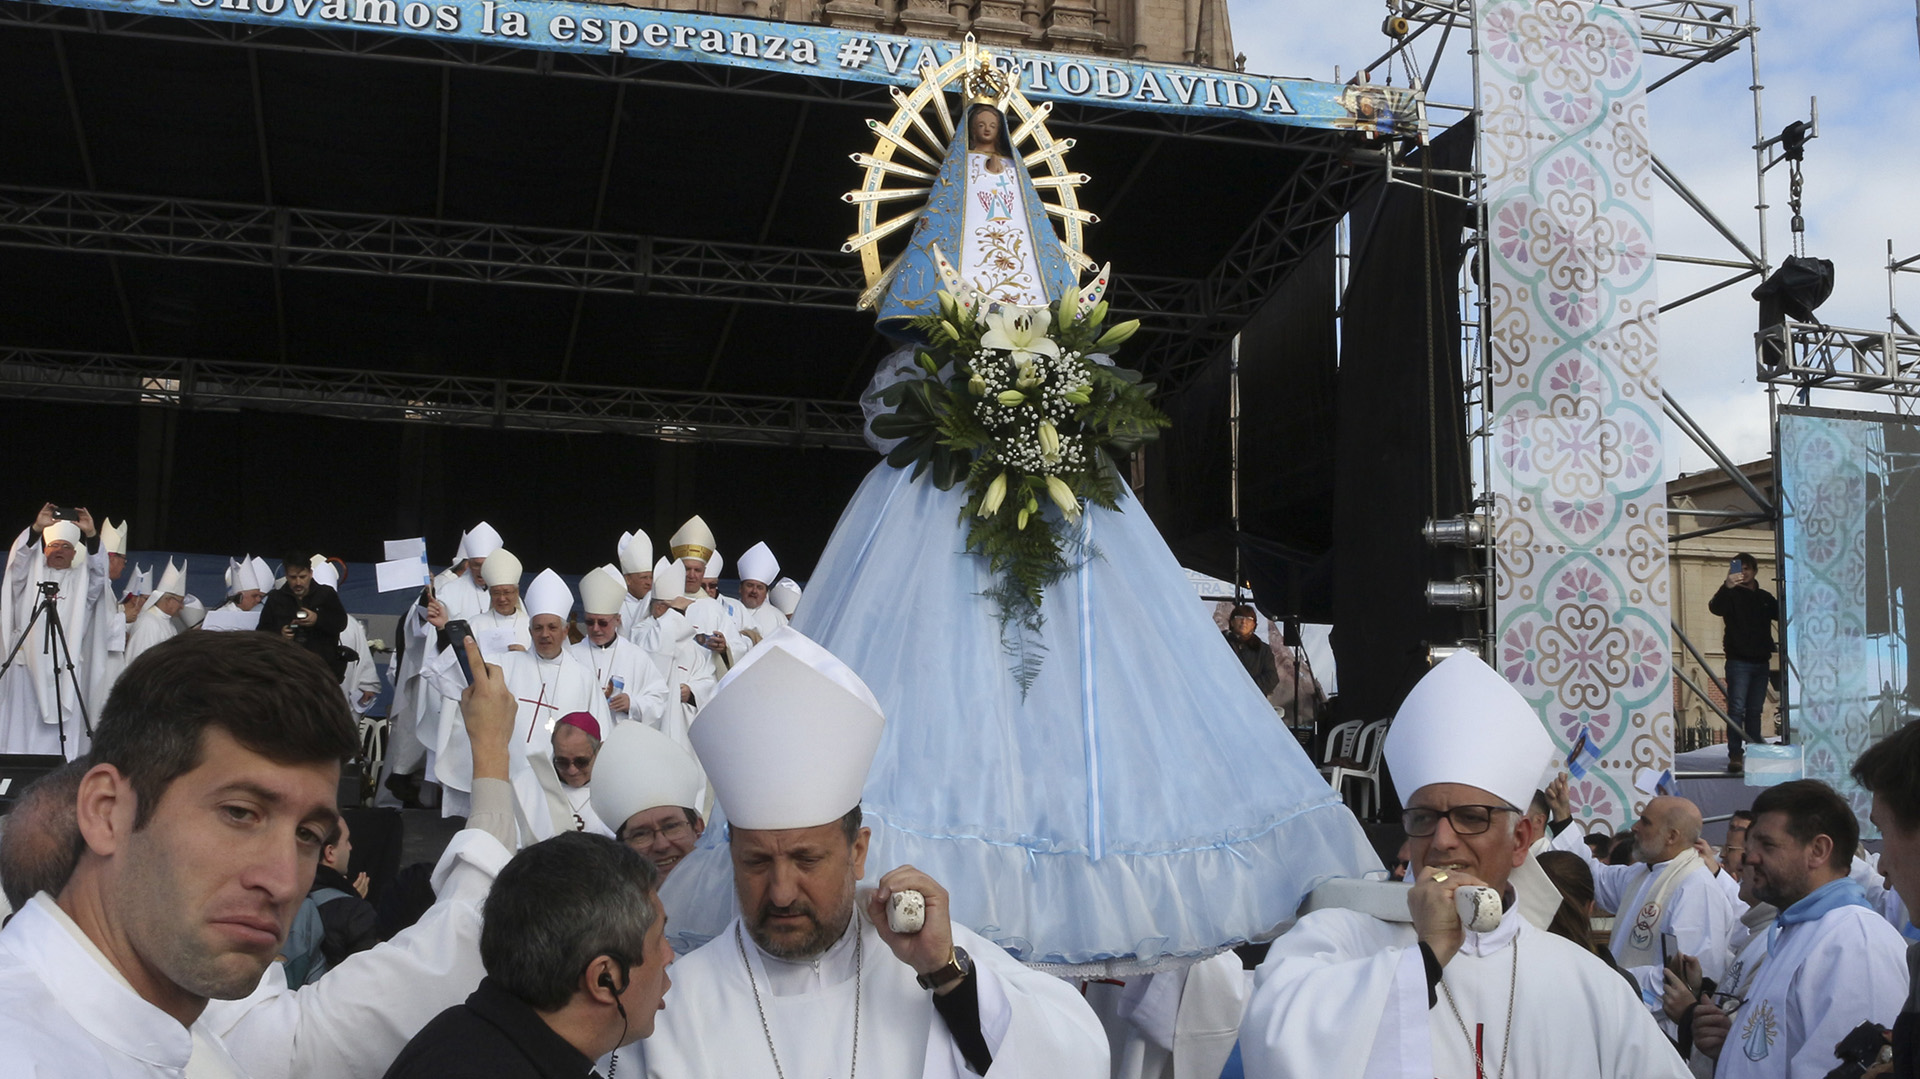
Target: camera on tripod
{"type": "Point", "coordinates": [49, 589]}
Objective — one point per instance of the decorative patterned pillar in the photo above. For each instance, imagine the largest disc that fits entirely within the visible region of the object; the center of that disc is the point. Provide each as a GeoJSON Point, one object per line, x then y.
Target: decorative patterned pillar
{"type": "Point", "coordinates": [1580, 507]}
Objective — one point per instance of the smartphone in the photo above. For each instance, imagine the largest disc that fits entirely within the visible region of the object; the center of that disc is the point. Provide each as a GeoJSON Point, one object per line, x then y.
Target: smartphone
{"type": "Point", "coordinates": [1734, 567]}
{"type": "Point", "coordinates": [65, 513]}
{"type": "Point", "coordinates": [700, 639]}
{"type": "Point", "coordinates": [458, 632]}
{"type": "Point", "coordinates": [1669, 949]}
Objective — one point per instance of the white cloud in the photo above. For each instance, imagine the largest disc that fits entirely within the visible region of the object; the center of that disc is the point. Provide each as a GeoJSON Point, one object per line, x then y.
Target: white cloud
{"type": "Point", "coordinates": [1862, 60]}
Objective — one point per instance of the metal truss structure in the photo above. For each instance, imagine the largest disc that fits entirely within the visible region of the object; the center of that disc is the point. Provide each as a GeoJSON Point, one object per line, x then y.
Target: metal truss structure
{"type": "Point", "coordinates": [1688, 33]}
{"type": "Point", "coordinates": [505, 404]}
{"type": "Point", "coordinates": [1806, 356]}
{"type": "Point", "coordinates": [392, 245]}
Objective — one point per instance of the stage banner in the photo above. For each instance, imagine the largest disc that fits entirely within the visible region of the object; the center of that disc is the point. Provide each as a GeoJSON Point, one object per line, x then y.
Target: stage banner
{"type": "Point", "coordinates": [1849, 571]}
{"type": "Point", "coordinates": [1579, 510]}
{"type": "Point", "coordinates": [648, 35]}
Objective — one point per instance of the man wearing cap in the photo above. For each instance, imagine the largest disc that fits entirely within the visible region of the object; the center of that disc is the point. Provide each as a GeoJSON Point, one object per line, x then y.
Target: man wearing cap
{"type": "Point", "coordinates": [634, 687]}
{"type": "Point", "coordinates": [1345, 993]}
{"type": "Point", "coordinates": [757, 618]}
{"type": "Point", "coordinates": [548, 683]}
{"type": "Point", "coordinates": [650, 788]}
{"type": "Point", "coordinates": [810, 980]}
{"type": "Point", "coordinates": [575, 746]}
{"type": "Point", "coordinates": [40, 701]}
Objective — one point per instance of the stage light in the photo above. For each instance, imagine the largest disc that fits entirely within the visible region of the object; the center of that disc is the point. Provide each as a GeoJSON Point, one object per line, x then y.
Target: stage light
{"type": "Point", "coordinates": [1440, 653]}
{"type": "Point", "coordinates": [1796, 289]}
{"type": "Point", "coordinates": [1467, 530]}
{"type": "Point", "coordinates": [1396, 26]}
{"type": "Point", "coordinates": [1465, 592]}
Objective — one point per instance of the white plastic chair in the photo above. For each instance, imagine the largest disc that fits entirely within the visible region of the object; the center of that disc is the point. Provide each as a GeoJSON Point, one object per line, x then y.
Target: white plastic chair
{"type": "Point", "coordinates": [1340, 743]}
{"type": "Point", "coordinates": [1363, 767]}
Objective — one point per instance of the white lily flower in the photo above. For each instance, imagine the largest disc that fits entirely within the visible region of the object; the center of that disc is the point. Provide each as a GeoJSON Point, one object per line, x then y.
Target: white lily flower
{"type": "Point", "coordinates": [1021, 331]}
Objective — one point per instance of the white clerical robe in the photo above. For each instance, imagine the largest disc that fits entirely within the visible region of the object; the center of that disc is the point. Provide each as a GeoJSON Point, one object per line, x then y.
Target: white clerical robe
{"type": "Point", "coordinates": [352, 1023]}
{"type": "Point", "coordinates": [362, 676]}
{"type": "Point", "coordinates": [638, 677]}
{"type": "Point", "coordinates": [37, 697]}
{"type": "Point", "coordinates": [632, 612]}
{"type": "Point", "coordinates": [579, 805]}
{"type": "Point", "coordinates": [1344, 993]}
{"type": "Point", "coordinates": [66, 1011]}
{"type": "Point", "coordinates": [1820, 980]}
{"type": "Point", "coordinates": [229, 618]}
{"type": "Point", "coordinates": [1697, 915]}
{"type": "Point", "coordinates": [546, 689]}
{"type": "Point", "coordinates": [154, 626]}
{"type": "Point", "coordinates": [764, 620]}
{"type": "Point", "coordinates": [1174, 1023]}
{"type": "Point", "coordinates": [1034, 1024]}
{"type": "Point", "coordinates": [449, 759]}
{"type": "Point", "coordinates": [707, 616]}
{"type": "Point", "coordinates": [682, 662]}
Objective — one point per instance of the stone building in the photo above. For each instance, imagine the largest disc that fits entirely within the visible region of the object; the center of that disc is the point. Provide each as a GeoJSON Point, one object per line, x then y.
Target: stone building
{"type": "Point", "coordinates": [1169, 31]}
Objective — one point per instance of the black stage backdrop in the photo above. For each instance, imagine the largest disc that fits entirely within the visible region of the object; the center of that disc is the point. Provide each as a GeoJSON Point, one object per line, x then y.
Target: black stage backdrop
{"type": "Point", "coordinates": [1335, 473]}
{"type": "Point", "coordinates": [261, 482]}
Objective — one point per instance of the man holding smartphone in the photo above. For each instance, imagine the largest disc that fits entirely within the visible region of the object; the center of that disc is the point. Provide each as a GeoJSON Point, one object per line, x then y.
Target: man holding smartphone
{"type": "Point", "coordinates": [306, 613]}
{"type": "Point", "coordinates": [1749, 612]}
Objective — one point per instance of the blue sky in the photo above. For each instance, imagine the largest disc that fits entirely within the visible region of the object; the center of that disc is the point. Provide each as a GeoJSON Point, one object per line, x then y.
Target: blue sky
{"type": "Point", "coordinates": [1862, 175]}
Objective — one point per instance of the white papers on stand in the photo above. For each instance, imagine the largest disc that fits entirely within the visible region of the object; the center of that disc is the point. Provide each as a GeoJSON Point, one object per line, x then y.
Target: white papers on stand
{"type": "Point", "coordinates": [406, 548]}
{"type": "Point", "coordinates": [400, 574]}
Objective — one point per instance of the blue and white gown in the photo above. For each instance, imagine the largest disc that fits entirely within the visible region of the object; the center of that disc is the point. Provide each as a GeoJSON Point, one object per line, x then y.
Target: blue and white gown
{"type": "Point", "coordinates": [1140, 804]}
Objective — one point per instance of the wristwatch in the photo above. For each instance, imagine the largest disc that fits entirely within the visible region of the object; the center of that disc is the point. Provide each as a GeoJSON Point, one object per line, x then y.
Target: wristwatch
{"type": "Point", "coordinates": [956, 968]}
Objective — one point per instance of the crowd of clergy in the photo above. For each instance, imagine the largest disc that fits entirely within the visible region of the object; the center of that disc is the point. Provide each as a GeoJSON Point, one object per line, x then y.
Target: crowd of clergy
{"type": "Point", "coordinates": [154, 880]}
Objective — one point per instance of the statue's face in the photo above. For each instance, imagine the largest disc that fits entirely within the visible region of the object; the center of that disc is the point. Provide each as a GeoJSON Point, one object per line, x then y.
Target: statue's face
{"type": "Point", "coordinates": [984, 127]}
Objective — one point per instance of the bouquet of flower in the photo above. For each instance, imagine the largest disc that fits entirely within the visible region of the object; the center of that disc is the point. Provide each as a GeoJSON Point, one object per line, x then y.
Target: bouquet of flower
{"type": "Point", "coordinates": [1021, 405]}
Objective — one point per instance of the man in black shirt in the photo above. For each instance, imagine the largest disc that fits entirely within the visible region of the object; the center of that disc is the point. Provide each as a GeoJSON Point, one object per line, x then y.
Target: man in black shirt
{"type": "Point", "coordinates": [308, 614]}
{"type": "Point", "coordinates": [1749, 612]}
{"type": "Point", "coordinates": [1254, 654]}
{"type": "Point", "coordinates": [573, 942]}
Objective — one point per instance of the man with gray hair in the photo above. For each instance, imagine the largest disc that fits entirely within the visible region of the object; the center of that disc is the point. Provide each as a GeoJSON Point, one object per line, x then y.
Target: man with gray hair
{"type": "Point", "coordinates": [576, 956]}
{"type": "Point", "coordinates": [40, 838]}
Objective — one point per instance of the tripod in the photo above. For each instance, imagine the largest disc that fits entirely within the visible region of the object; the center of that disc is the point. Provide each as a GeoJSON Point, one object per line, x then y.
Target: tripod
{"type": "Point", "coordinates": [54, 647]}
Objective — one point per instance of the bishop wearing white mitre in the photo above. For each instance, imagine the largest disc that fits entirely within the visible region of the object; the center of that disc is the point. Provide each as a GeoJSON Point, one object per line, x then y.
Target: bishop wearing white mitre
{"type": "Point", "coordinates": [39, 699]}
{"type": "Point", "coordinates": [501, 626]}
{"type": "Point", "coordinates": [156, 623]}
{"type": "Point", "coordinates": [669, 638]}
{"type": "Point", "coordinates": [635, 556]}
{"type": "Point", "coordinates": [809, 980]}
{"type": "Point", "coordinates": [414, 714]}
{"type": "Point", "coordinates": [548, 683]}
{"type": "Point", "coordinates": [634, 687]}
{"type": "Point", "coordinates": [1344, 993]}
{"type": "Point", "coordinates": [693, 547]}
{"type": "Point", "coordinates": [757, 619]}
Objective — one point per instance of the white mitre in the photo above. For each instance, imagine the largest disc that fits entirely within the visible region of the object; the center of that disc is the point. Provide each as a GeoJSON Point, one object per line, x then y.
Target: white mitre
{"type": "Point", "coordinates": [460, 552]}
{"type": "Point", "coordinates": [1464, 724]}
{"type": "Point", "coordinates": [481, 541]}
{"type": "Point", "coordinates": [173, 582]}
{"type": "Point", "coordinates": [635, 551]}
{"type": "Point", "coordinates": [693, 540]}
{"type": "Point", "coordinates": [603, 591]}
{"type": "Point", "coordinates": [548, 594]}
{"type": "Point", "coordinates": [233, 576]}
{"type": "Point", "coordinates": [192, 612]}
{"type": "Point", "coordinates": [113, 538]}
{"type": "Point", "coordinates": [325, 572]}
{"type": "Point", "coordinates": [60, 531]}
{"type": "Point", "coordinates": [141, 583]}
{"type": "Point", "coordinates": [758, 564]}
{"type": "Point", "coordinates": [785, 596]}
{"type": "Point", "coordinates": [665, 571]}
{"type": "Point", "coordinates": [259, 574]}
{"type": "Point", "coordinates": [638, 769]}
{"type": "Point", "coordinates": [788, 736]}
{"type": "Point", "coordinates": [500, 567]}
{"type": "Point", "coordinates": [711, 571]}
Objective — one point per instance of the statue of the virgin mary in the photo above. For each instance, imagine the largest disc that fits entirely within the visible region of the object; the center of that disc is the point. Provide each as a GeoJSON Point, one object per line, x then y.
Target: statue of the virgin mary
{"type": "Point", "coordinates": [1139, 804]}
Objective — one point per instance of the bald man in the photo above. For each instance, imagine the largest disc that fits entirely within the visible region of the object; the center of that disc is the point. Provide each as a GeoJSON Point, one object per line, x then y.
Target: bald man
{"type": "Point", "coordinates": [1665, 902]}
{"type": "Point", "coordinates": [39, 839]}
